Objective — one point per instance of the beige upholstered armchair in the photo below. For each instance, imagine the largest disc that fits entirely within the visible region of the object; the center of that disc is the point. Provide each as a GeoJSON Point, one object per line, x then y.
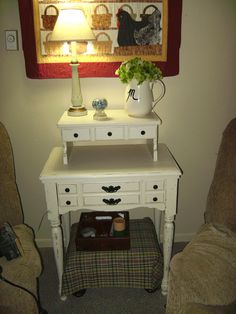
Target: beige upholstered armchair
{"type": "Point", "coordinates": [25, 269]}
{"type": "Point", "coordinates": [203, 276]}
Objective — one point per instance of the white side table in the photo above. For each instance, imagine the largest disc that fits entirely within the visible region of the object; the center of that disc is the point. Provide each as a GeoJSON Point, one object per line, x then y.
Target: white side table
{"type": "Point", "coordinates": [117, 177]}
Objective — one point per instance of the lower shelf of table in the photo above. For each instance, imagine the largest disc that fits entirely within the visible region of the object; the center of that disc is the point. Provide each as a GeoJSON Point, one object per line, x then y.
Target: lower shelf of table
{"type": "Point", "coordinates": [139, 267]}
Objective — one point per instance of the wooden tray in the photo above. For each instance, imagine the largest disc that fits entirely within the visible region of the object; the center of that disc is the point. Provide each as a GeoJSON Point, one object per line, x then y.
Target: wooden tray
{"type": "Point", "coordinates": [105, 238]}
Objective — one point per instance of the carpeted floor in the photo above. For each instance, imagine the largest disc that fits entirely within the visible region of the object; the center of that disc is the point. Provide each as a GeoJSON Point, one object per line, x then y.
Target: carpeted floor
{"type": "Point", "coordinates": [97, 301]}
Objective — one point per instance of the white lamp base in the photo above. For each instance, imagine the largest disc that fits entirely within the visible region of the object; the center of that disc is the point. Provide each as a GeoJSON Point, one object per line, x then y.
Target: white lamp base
{"type": "Point", "coordinates": [77, 111]}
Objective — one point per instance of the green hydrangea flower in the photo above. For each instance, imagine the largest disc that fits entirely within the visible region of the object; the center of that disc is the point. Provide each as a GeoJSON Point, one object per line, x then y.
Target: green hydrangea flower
{"type": "Point", "coordinates": [138, 69]}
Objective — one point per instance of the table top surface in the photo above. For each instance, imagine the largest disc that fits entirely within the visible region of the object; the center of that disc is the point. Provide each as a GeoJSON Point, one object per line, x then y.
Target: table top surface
{"type": "Point", "coordinates": [115, 116]}
{"type": "Point", "coordinates": [109, 160]}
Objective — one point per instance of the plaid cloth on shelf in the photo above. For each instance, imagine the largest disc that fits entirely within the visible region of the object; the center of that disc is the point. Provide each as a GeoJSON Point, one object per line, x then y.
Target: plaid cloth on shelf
{"type": "Point", "coordinates": [139, 267]}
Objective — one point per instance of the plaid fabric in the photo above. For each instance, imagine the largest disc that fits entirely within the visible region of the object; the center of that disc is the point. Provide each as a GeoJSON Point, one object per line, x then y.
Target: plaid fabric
{"type": "Point", "coordinates": [139, 267]}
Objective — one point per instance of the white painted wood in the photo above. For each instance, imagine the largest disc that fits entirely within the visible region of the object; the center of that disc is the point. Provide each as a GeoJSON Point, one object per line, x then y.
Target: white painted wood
{"type": "Point", "coordinates": [154, 197]}
{"type": "Point", "coordinates": [118, 126]}
{"type": "Point", "coordinates": [102, 200]}
{"type": "Point", "coordinates": [116, 116]}
{"type": "Point", "coordinates": [91, 168]}
{"type": "Point", "coordinates": [67, 200]}
{"type": "Point", "coordinates": [157, 220]}
{"type": "Point", "coordinates": [109, 133]}
{"type": "Point", "coordinates": [142, 132]}
{"type": "Point", "coordinates": [111, 162]}
{"type": "Point", "coordinates": [118, 186]}
{"type": "Point", "coordinates": [167, 249]}
{"type": "Point", "coordinates": [67, 188]}
{"type": "Point", "coordinates": [75, 134]}
{"type": "Point", "coordinates": [155, 185]}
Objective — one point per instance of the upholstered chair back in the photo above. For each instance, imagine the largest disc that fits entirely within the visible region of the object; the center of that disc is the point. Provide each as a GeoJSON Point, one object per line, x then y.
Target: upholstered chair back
{"type": "Point", "coordinates": [221, 202]}
{"type": "Point", "coordinates": [10, 204]}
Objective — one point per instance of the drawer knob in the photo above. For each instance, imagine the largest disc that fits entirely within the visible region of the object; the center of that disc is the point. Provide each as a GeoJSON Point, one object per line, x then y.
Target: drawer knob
{"type": "Point", "coordinates": [143, 132]}
{"type": "Point", "coordinates": [109, 133]}
{"type": "Point", "coordinates": [111, 201]}
{"type": "Point", "coordinates": [76, 135]}
{"type": "Point", "coordinates": [155, 187]}
{"type": "Point", "coordinates": [67, 190]}
{"type": "Point", "coordinates": [68, 202]}
{"type": "Point", "coordinates": [111, 188]}
{"type": "Point", "coordinates": [155, 199]}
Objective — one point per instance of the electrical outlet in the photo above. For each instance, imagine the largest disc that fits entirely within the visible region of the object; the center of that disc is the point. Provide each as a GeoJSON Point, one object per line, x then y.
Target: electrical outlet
{"type": "Point", "coordinates": [11, 40]}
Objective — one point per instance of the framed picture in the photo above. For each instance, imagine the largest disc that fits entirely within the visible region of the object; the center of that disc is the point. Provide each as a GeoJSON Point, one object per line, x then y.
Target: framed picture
{"type": "Point", "coordinates": [149, 29]}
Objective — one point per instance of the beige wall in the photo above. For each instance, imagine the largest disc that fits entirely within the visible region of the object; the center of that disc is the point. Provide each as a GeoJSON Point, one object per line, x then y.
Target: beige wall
{"type": "Point", "coordinates": [197, 105]}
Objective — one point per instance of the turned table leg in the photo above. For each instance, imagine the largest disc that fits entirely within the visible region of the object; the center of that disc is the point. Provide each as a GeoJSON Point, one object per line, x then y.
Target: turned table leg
{"type": "Point", "coordinates": [167, 249]}
{"type": "Point", "coordinates": [58, 250]}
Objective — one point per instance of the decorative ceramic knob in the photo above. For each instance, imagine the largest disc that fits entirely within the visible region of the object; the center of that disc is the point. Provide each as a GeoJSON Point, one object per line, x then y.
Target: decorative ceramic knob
{"type": "Point", "coordinates": [99, 105]}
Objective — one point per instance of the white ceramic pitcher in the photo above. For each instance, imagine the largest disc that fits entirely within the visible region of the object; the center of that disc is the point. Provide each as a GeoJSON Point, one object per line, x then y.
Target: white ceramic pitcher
{"type": "Point", "coordinates": [139, 98]}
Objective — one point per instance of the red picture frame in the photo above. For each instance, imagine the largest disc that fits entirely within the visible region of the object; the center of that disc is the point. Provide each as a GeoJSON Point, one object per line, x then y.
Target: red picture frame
{"type": "Point", "coordinates": [36, 70]}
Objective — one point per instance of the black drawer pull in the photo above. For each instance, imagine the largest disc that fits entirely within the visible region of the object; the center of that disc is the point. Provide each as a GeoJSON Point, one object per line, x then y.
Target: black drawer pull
{"type": "Point", "coordinates": [76, 135]}
{"type": "Point", "coordinates": [67, 190]}
{"type": "Point", "coordinates": [111, 188]}
{"type": "Point", "coordinates": [109, 133]}
{"type": "Point", "coordinates": [111, 201]}
{"type": "Point", "coordinates": [68, 202]}
{"type": "Point", "coordinates": [155, 199]}
{"type": "Point", "coordinates": [155, 187]}
{"type": "Point", "coordinates": [143, 132]}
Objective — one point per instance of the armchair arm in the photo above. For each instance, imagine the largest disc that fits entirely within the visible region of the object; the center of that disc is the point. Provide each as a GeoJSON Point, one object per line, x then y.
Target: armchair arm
{"type": "Point", "coordinates": [10, 205]}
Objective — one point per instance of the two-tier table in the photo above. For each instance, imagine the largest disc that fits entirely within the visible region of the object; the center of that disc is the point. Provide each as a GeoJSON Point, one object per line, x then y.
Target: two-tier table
{"type": "Point", "coordinates": [131, 170]}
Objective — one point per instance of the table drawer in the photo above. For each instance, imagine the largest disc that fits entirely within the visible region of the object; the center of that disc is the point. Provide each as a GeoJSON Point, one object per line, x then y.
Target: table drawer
{"type": "Point", "coordinates": [112, 200]}
{"type": "Point", "coordinates": [67, 200]}
{"type": "Point", "coordinates": [75, 134]}
{"type": "Point", "coordinates": [157, 197]}
{"type": "Point", "coordinates": [145, 132]}
{"type": "Point", "coordinates": [154, 185]}
{"type": "Point", "coordinates": [67, 188]}
{"type": "Point", "coordinates": [111, 133]}
{"type": "Point", "coordinates": [110, 187]}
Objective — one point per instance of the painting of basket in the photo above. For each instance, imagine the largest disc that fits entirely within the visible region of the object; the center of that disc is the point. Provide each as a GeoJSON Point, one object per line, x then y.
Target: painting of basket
{"type": "Point", "coordinates": [53, 48]}
{"type": "Point", "coordinates": [145, 15]}
{"type": "Point", "coordinates": [138, 50]}
{"type": "Point", "coordinates": [56, 48]}
{"type": "Point", "coordinates": [130, 10]}
{"type": "Point", "coordinates": [103, 20]}
{"type": "Point", "coordinates": [49, 21]}
{"type": "Point", "coordinates": [102, 47]}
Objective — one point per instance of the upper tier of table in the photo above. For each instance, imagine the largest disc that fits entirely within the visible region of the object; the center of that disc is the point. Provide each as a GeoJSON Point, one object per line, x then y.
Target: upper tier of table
{"type": "Point", "coordinates": [115, 117]}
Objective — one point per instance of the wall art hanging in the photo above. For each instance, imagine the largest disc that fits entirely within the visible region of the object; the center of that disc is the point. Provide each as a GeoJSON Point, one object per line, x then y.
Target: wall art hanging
{"type": "Point", "coordinates": [150, 29]}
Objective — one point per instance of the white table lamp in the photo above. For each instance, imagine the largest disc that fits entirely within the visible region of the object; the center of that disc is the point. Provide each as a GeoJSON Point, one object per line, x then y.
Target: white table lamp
{"type": "Point", "coordinates": [72, 26]}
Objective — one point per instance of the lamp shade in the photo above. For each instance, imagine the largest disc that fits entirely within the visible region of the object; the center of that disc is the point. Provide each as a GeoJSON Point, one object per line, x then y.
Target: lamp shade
{"type": "Point", "coordinates": [72, 25]}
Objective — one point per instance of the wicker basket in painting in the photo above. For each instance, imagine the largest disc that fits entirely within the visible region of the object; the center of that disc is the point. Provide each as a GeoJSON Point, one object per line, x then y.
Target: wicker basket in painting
{"type": "Point", "coordinates": [53, 48]}
{"type": "Point", "coordinates": [56, 48]}
{"type": "Point", "coordinates": [102, 47]}
{"type": "Point", "coordinates": [138, 50]}
{"type": "Point", "coordinates": [145, 15]}
{"type": "Point", "coordinates": [102, 20]}
{"type": "Point", "coordinates": [49, 21]}
{"type": "Point", "coordinates": [130, 10]}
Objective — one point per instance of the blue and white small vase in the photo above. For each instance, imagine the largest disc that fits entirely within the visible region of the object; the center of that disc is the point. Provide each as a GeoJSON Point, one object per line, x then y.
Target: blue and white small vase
{"type": "Point", "coordinates": [100, 105]}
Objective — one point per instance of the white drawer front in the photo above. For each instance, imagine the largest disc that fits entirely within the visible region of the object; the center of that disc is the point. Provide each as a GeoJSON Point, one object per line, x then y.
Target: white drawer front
{"type": "Point", "coordinates": [67, 188]}
{"type": "Point", "coordinates": [145, 132]}
{"type": "Point", "coordinates": [154, 185]}
{"type": "Point", "coordinates": [113, 200]}
{"type": "Point", "coordinates": [76, 135]}
{"type": "Point", "coordinates": [157, 197]}
{"type": "Point", "coordinates": [110, 187]}
{"type": "Point", "coordinates": [111, 133]}
{"type": "Point", "coordinates": [69, 200]}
